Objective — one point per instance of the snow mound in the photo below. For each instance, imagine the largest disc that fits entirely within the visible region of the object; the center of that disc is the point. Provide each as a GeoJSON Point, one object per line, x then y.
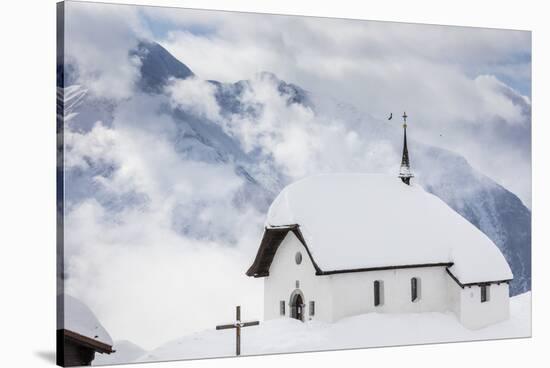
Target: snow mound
{"type": "Point", "coordinates": [125, 351]}
{"type": "Point", "coordinates": [287, 335]}
{"type": "Point", "coordinates": [80, 319]}
{"type": "Point", "coordinates": [370, 220]}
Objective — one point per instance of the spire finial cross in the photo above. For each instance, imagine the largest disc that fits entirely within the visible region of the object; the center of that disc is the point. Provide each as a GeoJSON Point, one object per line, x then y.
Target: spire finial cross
{"type": "Point", "coordinates": [405, 170]}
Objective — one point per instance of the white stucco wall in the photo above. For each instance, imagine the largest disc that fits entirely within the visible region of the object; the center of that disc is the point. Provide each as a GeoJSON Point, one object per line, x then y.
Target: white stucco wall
{"type": "Point", "coordinates": [353, 293]}
{"type": "Point", "coordinates": [475, 315]}
{"type": "Point", "coordinates": [281, 282]}
{"type": "Point", "coordinates": [454, 296]}
{"type": "Point", "coordinates": [341, 295]}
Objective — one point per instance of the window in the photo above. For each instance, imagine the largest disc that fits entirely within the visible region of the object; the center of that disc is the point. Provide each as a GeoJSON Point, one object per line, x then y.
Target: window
{"type": "Point", "coordinates": [298, 258]}
{"type": "Point", "coordinates": [378, 293]}
{"type": "Point", "coordinates": [282, 307]}
{"type": "Point", "coordinates": [312, 308]}
{"type": "Point", "coordinates": [484, 293]}
{"type": "Point", "coordinates": [415, 289]}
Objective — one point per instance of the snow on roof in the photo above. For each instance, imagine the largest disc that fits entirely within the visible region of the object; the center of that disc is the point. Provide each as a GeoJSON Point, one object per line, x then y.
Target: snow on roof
{"type": "Point", "coordinates": [80, 319]}
{"type": "Point", "coordinates": [354, 221]}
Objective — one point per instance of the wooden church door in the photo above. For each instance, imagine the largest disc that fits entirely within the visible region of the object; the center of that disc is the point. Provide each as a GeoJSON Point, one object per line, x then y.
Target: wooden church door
{"type": "Point", "coordinates": [298, 307]}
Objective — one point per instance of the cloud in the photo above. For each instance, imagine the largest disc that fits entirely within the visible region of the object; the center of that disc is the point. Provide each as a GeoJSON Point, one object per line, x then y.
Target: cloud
{"type": "Point", "coordinates": [177, 259]}
{"type": "Point", "coordinates": [147, 282]}
{"type": "Point", "coordinates": [497, 103]}
{"type": "Point", "coordinates": [98, 144]}
{"type": "Point", "coordinates": [195, 95]}
{"type": "Point", "coordinates": [98, 40]}
{"type": "Point", "coordinates": [451, 80]}
{"type": "Point", "coordinates": [447, 78]}
{"type": "Point", "coordinates": [297, 139]}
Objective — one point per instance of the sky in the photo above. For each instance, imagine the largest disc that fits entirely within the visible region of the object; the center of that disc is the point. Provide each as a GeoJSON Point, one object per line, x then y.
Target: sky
{"type": "Point", "coordinates": [453, 82]}
{"type": "Point", "coordinates": [464, 89]}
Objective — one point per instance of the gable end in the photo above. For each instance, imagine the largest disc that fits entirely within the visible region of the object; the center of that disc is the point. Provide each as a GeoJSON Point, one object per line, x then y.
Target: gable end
{"type": "Point", "coordinates": [271, 240]}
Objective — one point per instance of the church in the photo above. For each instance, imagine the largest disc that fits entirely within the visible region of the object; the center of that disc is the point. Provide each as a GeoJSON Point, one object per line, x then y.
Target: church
{"type": "Point", "coordinates": [339, 245]}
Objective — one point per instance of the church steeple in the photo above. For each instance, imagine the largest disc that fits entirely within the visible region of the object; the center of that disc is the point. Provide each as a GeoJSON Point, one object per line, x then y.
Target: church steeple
{"type": "Point", "coordinates": [405, 173]}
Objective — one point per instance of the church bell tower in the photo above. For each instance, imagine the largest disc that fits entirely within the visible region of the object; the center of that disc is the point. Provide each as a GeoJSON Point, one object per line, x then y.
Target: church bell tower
{"type": "Point", "coordinates": [405, 173]}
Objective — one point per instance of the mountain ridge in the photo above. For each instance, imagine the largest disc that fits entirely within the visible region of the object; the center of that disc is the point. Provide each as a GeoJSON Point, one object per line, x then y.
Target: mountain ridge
{"type": "Point", "coordinates": [493, 209]}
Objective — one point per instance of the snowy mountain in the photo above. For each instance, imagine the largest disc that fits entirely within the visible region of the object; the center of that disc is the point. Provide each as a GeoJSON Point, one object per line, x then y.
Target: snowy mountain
{"type": "Point", "coordinates": [157, 66]}
{"type": "Point", "coordinates": [231, 120]}
{"type": "Point", "coordinates": [490, 207]}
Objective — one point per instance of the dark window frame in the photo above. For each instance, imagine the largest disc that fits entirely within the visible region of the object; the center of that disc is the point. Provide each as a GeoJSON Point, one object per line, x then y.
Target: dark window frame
{"type": "Point", "coordinates": [415, 294]}
{"type": "Point", "coordinates": [312, 308]}
{"type": "Point", "coordinates": [377, 293]}
{"type": "Point", "coordinates": [484, 291]}
{"type": "Point", "coordinates": [282, 308]}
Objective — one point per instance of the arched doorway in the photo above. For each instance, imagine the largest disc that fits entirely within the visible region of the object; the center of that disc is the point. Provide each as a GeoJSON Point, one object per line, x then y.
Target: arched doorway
{"type": "Point", "coordinates": [297, 305]}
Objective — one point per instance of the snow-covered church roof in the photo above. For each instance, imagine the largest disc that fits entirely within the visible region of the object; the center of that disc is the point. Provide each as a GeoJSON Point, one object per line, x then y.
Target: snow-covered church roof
{"type": "Point", "coordinates": [358, 221]}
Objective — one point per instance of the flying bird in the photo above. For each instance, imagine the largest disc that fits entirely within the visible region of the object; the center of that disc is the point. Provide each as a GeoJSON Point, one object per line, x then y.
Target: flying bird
{"type": "Point", "coordinates": [390, 116]}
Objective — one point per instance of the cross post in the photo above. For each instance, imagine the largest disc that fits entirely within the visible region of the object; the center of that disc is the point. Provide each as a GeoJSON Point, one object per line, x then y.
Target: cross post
{"type": "Point", "coordinates": [237, 325]}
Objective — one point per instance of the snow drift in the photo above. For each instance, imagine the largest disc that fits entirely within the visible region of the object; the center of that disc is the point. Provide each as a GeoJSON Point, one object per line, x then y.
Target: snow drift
{"type": "Point", "coordinates": [368, 330]}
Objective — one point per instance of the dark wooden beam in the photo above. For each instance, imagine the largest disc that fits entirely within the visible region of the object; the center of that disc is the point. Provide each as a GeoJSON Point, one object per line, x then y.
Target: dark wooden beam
{"type": "Point", "coordinates": [479, 283]}
{"type": "Point", "coordinates": [89, 342]}
{"type": "Point", "coordinates": [382, 268]}
{"type": "Point", "coordinates": [247, 324]}
{"type": "Point", "coordinates": [225, 327]}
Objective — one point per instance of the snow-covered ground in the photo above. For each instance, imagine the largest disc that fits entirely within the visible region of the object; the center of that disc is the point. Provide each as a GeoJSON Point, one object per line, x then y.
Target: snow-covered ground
{"type": "Point", "coordinates": [125, 352]}
{"type": "Point", "coordinates": [368, 330]}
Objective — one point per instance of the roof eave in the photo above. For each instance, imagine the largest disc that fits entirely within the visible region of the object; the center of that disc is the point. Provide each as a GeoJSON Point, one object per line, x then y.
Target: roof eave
{"type": "Point", "coordinates": [268, 248]}
{"type": "Point", "coordinates": [477, 283]}
{"type": "Point", "coordinates": [93, 344]}
{"type": "Point", "coordinates": [382, 268]}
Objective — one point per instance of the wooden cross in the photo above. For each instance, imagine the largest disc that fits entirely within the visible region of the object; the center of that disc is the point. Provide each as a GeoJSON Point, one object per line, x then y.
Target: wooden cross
{"type": "Point", "coordinates": [237, 326]}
